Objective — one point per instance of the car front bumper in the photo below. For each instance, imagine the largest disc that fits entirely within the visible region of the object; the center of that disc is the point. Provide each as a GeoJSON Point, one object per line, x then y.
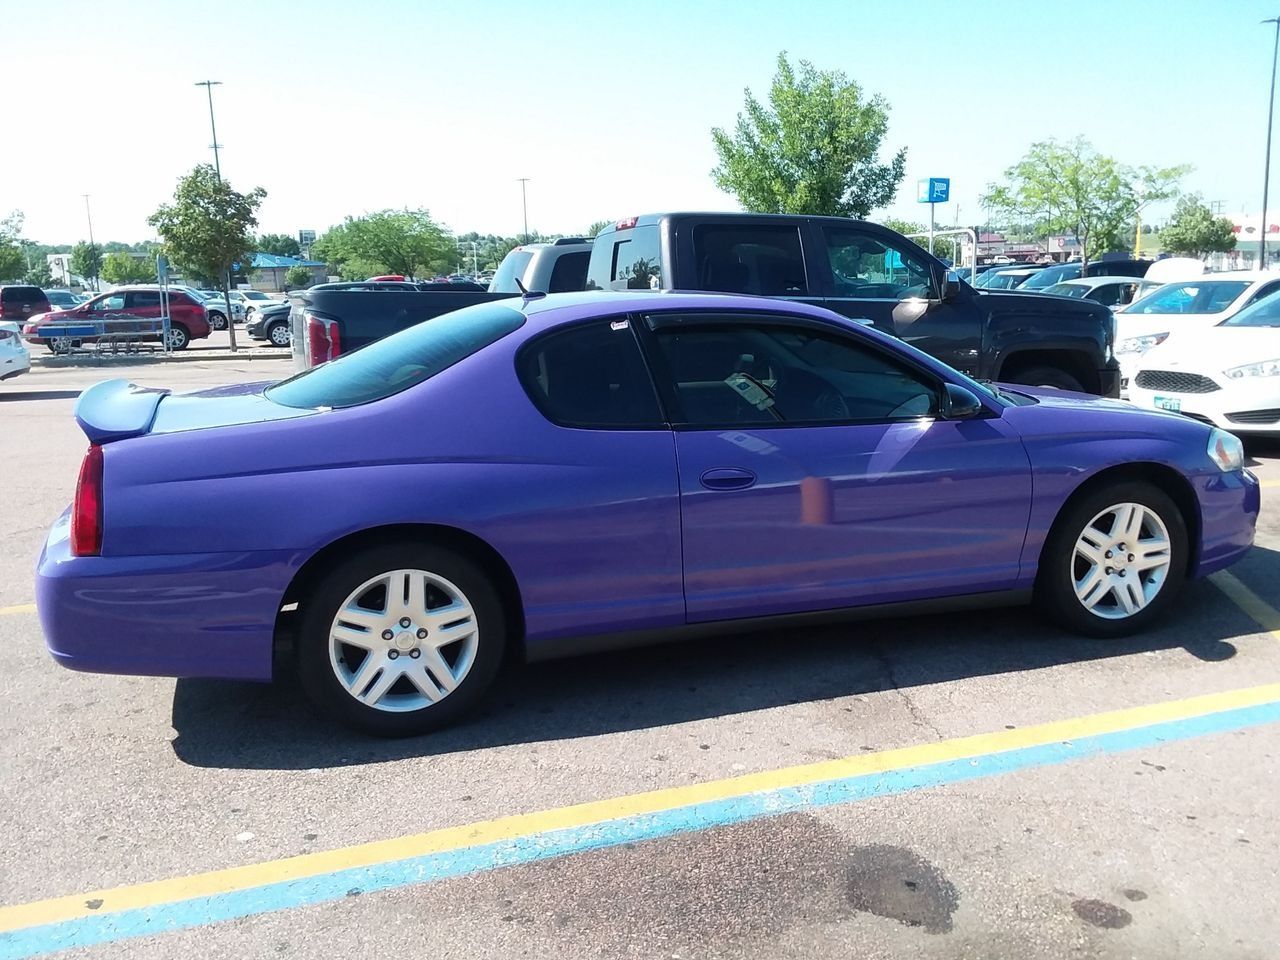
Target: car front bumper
{"type": "Point", "coordinates": [1256, 399]}
{"type": "Point", "coordinates": [1229, 505]}
{"type": "Point", "coordinates": [182, 615]}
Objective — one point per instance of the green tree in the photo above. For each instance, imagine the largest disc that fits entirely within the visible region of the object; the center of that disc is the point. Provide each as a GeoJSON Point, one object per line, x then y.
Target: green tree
{"type": "Point", "coordinates": [39, 274]}
{"type": "Point", "coordinates": [1070, 187]}
{"type": "Point", "coordinates": [278, 244]}
{"type": "Point", "coordinates": [595, 229]}
{"type": "Point", "coordinates": [1194, 231]}
{"type": "Point", "coordinates": [387, 241]}
{"type": "Point", "coordinates": [86, 260]}
{"type": "Point", "coordinates": [296, 277]}
{"type": "Point", "coordinates": [121, 267]}
{"type": "Point", "coordinates": [13, 262]}
{"type": "Point", "coordinates": [814, 149]}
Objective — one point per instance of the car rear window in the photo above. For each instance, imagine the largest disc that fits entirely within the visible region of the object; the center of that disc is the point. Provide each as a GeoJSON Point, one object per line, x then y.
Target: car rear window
{"type": "Point", "coordinates": [569, 273]}
{"type": "Point", "coordinates": [400, 361]}
{"type": "Point", "coordinates": [19, 294]}
{"type": "Point", "coordinates": [512, 268]}
{"type": "Point", "coordinates": [628, 259]}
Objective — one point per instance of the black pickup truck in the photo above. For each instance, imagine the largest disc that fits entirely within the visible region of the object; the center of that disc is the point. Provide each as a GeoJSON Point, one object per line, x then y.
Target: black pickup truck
{"type": "Point", "coordinates": [870, 273]}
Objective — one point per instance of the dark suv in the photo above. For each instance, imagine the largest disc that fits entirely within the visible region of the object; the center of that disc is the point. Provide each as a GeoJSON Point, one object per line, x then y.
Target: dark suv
{"type": "Point", "coordinates": [20, 302]}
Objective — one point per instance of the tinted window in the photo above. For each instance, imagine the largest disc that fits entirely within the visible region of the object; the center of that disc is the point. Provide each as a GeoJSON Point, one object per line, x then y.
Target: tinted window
{"type": "Point", "coordinates": [867, 268]}
{"type": "Point", "coordinates": [22, 295]}
{"type": "Point", "coordinates": [1108, 294]}
{"type": "Point", "coordinates": [147, 298]}
{"type": "Point", "coordinates": [759, 374]}
{"type": "Point", "coordinates": [185, 299]}
{"type": "Point", "coordinates": [1264, 313]}
{"type": "Point", "coordinates": [1198, 296]}
{"type": "Point", "coordinates": [760, 260]}
{"type": "Point", "coordinates": [512, 268]}
{"type": "Point", "coordinates": [569, 273]}
{"type": "Point", "coordinates": [1264, 291]}
{"type": "Point", "coordinates": [1074, 290]}
{"type": "Point", "coordinates": [1052, 275]}
{"type": "Point", "coordinates": [400, 361]}
{"type": "Point", "coordinates": [590, 376]}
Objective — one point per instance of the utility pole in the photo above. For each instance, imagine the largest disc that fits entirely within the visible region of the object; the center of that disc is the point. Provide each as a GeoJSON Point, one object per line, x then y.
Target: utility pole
{"type": "Point", "coordinates": [1266, 177]}
{"type": "Point", "coordinates": [524, 204]}
{"type": "Point", "coordinates": [88, 215]}
{"type": "Point", "coordinates": [217, 169]}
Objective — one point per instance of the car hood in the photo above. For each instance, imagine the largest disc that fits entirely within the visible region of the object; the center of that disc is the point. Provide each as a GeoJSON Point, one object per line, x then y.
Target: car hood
{"type": "Point", "coordinates": [1214, 349]}
{"type": "Point", "coordinates": [1025, 301]}
{"type": "Point", "coordinates": [1141, 324]}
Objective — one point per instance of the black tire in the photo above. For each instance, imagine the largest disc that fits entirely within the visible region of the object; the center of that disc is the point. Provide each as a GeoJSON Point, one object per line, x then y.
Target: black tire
{"type": "Point", "coordinates": [321, 607]}
{"type": "Point", "coordinates": [1055, 592]}
{"type": "Point", "coordinates": [280, 330]}
{"type": "Point", "coordinates": [179, 337]}
{"type": "Point", "coordinates": [1047, 377]}
{"type": "Point", "coordinates": [217, 321]}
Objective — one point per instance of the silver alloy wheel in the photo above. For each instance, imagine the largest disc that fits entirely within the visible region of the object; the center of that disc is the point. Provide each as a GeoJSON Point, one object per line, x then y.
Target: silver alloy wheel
{"type": "Point", "coordinates": [177, 338]}
{"type": "Point", "coordinates": [217, 321]}
{"type": "Point", "coordinates": [1121, 561]}
{"type": "Point", "coordinates": [403, 640]}
{"type": "Point", "coordinates": [279, 335]}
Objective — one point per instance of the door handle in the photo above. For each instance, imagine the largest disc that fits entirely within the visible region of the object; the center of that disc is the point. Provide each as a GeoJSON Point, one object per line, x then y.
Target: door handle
{"type": "Point", "coordinates": [727, 478]}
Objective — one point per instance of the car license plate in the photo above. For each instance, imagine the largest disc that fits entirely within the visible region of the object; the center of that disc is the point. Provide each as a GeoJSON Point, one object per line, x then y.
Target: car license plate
{"type": "Point", "coordinates": [1169, 403]}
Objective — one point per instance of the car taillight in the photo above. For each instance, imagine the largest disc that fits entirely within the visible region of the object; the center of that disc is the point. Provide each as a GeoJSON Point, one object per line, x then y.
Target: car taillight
{"type": "Point", "coordinates": [323, 342]}
{"type": "Point", "coordinates": [626, 224]}
{"type": "Point", "coordinates": [86, 511]}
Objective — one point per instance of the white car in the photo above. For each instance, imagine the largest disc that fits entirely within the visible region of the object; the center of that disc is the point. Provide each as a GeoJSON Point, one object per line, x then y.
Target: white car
{"type": "Point", "coordinates": [1113, 292]}
{"type": "Point", "coordinates": [1227, 375]}
{"type": "Point", "coordinates": [218, 307]}
{"type": "Point", "coordinates": [15, 358]}
{"type": "Point", "coordinates": [1188, 305]}
{"type": "Point", "coordinates": [254, 300]}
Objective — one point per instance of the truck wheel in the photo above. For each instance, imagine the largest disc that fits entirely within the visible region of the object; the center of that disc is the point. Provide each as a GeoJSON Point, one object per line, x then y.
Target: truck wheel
{"type": "Point", "coordinates": [1047, 377]}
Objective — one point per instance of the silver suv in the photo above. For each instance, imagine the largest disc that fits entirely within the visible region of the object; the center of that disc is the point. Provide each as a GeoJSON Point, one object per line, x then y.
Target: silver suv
{"type": "Point", "coordinates": [556, 267]}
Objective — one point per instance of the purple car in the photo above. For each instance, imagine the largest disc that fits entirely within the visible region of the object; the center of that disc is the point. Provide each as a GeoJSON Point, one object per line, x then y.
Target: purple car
{"type": "Point", "coordinates": [557, 474]}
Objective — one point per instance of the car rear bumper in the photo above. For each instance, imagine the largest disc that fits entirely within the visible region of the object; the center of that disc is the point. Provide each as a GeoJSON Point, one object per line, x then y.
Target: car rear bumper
{"type": "Point", "coordinates": [1229, 504]}
{"type": "Point", "coordinates": [184, 615]}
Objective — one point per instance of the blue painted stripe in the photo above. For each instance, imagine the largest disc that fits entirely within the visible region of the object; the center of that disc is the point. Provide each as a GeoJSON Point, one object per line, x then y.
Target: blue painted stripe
{"type": "Point", "coordinates": [87, 931]}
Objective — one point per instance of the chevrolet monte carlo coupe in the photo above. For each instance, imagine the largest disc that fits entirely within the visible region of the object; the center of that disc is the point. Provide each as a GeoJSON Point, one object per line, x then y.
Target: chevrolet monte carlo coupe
{"type": "Point", "coordinates": [540, 476]}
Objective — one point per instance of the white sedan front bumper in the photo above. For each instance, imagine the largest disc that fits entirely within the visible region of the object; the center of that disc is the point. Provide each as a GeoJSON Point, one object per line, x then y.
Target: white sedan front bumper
{"type": "Point", "coordinates": [1248, 405]}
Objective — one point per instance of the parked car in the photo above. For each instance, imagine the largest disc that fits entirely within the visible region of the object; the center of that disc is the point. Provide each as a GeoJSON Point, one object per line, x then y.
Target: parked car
{"type": "Point", "coordinates": [271, 324]}
{"type": "Point", "coordinates": [1113, 267]}
{"type": "Point", "coordinates": [1113, 292]}
{"type": "Point", "coordinates": [868, 272]}
{"type": "Point", "coordinates": [19, 302]}
{"type": "Point", "coordinates": [189, 318]}
{"type": "Point", "coordinates": [15, 359]}
{"type": "Point", "coordinates": [219, 306]}
{"type": "Point", "coordinates": [1227, 374]}
{"type": "Point", "coordinates": [556, 267]}
{"type": "Point", "coordinates": [603, 469]}
{"type": "Point", "coordinates": [1188, 306]}
{"type": "Point", "coordinates": [255, 300]}
{"type": "Point", "coordinates": [1006, 278]}
{"type": "Point", "coordinates": [63, 299]}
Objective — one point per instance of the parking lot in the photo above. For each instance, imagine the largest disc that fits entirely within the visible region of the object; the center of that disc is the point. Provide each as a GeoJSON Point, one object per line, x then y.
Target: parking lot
{"type": "Point", "coordinates": [963, 785]}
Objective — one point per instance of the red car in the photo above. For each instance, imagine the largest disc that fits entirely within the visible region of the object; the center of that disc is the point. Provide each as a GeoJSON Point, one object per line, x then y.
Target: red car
{"type": "Point", "coordinates": [188, 318]}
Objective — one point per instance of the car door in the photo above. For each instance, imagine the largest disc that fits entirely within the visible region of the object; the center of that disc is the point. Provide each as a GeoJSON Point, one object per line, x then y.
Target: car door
{"type": "Point", "coordinates": [875, 277]}
{"type": "Point", "coordinates": [815, 472]}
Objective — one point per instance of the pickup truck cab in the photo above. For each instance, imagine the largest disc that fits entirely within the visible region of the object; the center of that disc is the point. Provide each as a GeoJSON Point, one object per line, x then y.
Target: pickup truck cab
{"type": "Point", "coordinates": [869, 273]}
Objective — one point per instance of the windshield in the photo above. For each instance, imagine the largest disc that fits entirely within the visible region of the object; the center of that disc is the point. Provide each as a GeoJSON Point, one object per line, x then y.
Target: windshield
{"type": "Point", "coordinates": [1075, 290]}
{"type": "Point", "coordinates": [1004, 281]}
{"type": "Point", "coordinates": [512, 268]}
{"type": "Point", "coordinates": [1051, 275]}
{"type": "Point", "coordinates": [1264, 313]}
{"type": "Point", "coordinates": [254, 295]}
{"type": "Point", "coordinates": [1199, 296]}
{"type": "Point", "coordinates": [399, 362]}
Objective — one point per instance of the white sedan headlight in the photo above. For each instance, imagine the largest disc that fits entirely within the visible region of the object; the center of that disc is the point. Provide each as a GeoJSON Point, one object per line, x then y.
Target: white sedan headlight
{"type": "Point", "coordinates": [1226, 450]}
{"type": "Point", "coordinates": [1263, 368]}
{"type": "Point", "coordinates": [1140, 345]}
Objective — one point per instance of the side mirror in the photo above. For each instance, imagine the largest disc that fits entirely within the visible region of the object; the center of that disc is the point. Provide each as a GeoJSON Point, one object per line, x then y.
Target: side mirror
{"type": "Point", "coordinates": [959, 403]}
{"type": "Point", "coordinates": [950, 288]}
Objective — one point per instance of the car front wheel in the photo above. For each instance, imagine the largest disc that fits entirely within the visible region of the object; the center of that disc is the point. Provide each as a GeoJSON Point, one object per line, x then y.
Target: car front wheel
{"type": "Point", "coordinates": [279, 335]}
{"type": "Point", "coordinates": [217, 321]}
{"type": "Point", "coordinates": [400, 640]}
{"type": "Point", "coordinates": [1115, 561]}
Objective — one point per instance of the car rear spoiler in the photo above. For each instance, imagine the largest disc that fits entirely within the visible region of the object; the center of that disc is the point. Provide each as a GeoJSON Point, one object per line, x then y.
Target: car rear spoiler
{"type": "Point", "coordinates": [117, 409]}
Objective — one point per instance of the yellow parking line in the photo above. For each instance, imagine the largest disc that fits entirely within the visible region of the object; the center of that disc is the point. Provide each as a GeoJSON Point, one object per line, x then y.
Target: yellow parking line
{"type": "Point", "coordinates": [18, 608]}
{"type": "Point", "coordinates": [1266, 616]}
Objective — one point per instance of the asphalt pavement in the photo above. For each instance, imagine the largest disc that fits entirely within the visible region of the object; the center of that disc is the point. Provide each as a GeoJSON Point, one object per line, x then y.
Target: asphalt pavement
{"type": "Point", "coordinates": [977, 785]}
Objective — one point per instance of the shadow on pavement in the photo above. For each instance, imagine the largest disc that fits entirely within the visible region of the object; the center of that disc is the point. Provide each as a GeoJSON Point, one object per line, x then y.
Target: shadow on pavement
{"type": "Point", "coordinates": [225, 724]}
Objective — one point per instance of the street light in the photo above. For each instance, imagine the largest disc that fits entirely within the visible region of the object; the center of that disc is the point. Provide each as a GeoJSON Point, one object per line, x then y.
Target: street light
{"type": "Point", "coordinates": [217, 169]}
{"type": "Point", "coordinates": [1266, 174]}
{"type": "Point", "coordinates": [524, 204]}
{"type": "Point", "coordinates": [92, 247]}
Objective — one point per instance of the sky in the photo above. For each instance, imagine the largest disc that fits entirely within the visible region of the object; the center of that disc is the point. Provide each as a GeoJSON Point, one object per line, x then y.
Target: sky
{"type": "Point", "coordinates": [339, 108]}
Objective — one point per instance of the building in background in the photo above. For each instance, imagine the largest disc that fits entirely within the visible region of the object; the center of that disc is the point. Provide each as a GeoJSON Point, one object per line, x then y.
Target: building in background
{"type": "Point", "coordinates": [1247, 228]}
{"type": "Point", "coordinates": [269, 270]}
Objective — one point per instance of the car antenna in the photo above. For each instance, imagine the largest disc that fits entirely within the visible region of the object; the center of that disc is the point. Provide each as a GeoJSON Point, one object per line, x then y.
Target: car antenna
{"type": "Point", "coordinates": [535, 295]}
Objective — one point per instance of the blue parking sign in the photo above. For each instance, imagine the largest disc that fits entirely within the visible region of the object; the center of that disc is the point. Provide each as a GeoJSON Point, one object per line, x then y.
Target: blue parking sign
{"type": "Point", "coordinates": [933, 190]}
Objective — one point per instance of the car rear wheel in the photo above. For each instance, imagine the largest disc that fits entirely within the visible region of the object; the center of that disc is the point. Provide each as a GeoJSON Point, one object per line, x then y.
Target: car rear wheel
{"type": "Point", "coordinates": [400, 640]}
{"type": "Point", "coordinates": [1115, 561]}
{"type": "Point", "coordinates": [178, 337]}
{"type": "Point", "coordinates": [1048, 377]}
{"type": "Point", "coordinates": [279, 335]}
{"type": "Point", "coordinates": [217, 321]}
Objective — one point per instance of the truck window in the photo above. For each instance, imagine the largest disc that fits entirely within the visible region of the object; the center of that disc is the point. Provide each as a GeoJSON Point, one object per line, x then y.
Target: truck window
{"type": "Point", "coordinates": [763, 260]}
{"type": "Point", "coordinates": [864, 267]}
{"type": "Point", "coordinates": [633, 261]}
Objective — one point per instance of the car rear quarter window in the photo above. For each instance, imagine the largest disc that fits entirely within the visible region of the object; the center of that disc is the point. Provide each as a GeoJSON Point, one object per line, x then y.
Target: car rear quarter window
{"type": "Point", "coordinates": [569, 273]}
{"type": "Point", "coordinates": [591, 376]}
{"type": "Point", "coordinates": [400, 361]}
{"type": "Point", "coordinates": [628, 259]}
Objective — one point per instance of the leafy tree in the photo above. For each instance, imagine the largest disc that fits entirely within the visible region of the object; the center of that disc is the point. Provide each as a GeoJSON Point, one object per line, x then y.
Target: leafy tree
{"type": "Point", "coordinates": [1194, 231]}
{"type": "Point", "coordinates": [296, 277]}
{"type": "Point", "coordinates": [39, 274]}
{"type": "Point", "coordinates": [121, 267]}
{"type": "Point", "coordinates": [814, 149]}
{"type": "Point", "coordinates": [13, 263]}
{"type": "Point", "coordinates": [387, 241]}
{"type": "Point", "coordinates": [279, 244]}
{"type": "Point", "coordinates": [86, 260]}
{"type": "Point", "coordinates": [1079, 191]}
{"type": "Point", "coordinates": [599, 225]}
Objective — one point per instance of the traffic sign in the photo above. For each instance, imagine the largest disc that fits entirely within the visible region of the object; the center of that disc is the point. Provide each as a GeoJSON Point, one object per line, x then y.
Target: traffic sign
{"type": "Point", "coordinates": [933, 190]}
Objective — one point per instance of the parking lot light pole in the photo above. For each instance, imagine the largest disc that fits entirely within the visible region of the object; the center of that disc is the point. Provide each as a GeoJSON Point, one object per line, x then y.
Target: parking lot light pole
{"type": "Point", "coordinates": [217, 169]}
{"type": "Point", "coordinates": [524, 205]}
{"type": "Point", "coordinates": [88, 215]}
{"type": "Point", "coordinates": [1266, 174]}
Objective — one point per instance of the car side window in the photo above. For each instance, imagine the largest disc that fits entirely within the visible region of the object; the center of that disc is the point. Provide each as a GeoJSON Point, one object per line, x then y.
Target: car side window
{"type": "Point", "coordinates": [755, 373]}
{"type": "Point", "coordinates": [1264, 291]}
{"type": "Point", "coordinates": [1108, 294]}
{"type": "Point", "coordinates": [141, 299]}
{"type": "Point", "coordinates": [865, 267]}
{"type": "Point", "coordinates": [113, 301]}
{"type": "Point", "coordinates": [591, 376]}
{"type": "Point", "coordinates": [763, 260]}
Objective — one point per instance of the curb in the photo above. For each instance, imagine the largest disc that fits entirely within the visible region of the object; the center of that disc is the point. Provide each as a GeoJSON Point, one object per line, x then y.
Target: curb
{"type": "Point", "coordinates": [134, 359]}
